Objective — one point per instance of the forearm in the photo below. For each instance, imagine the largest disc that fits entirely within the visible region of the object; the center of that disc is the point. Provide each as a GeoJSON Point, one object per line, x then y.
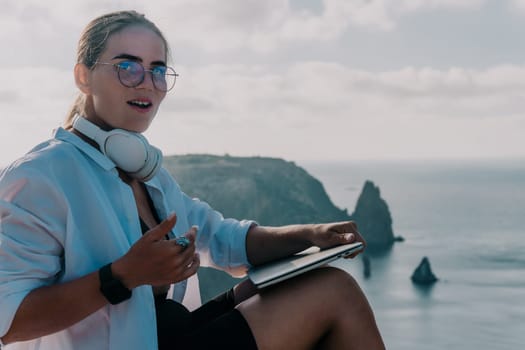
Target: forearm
{"type": "Point", "coordinates": [152, 260]}
{"type": "Point", "coordinates": [53, 308]}
{"type": "Point", "coordinates": [265, 243]}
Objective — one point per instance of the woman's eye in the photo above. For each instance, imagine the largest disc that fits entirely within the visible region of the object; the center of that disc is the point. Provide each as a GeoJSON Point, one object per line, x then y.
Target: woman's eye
{"type": "Point", "coordinates": [125, 65]}
{"type": "Point", "coordinates": [160, 70]}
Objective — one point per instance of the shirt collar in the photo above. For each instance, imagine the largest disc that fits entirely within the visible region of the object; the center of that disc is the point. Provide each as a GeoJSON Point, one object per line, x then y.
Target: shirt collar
{"type": "Point", "coordinates": [93, 153]}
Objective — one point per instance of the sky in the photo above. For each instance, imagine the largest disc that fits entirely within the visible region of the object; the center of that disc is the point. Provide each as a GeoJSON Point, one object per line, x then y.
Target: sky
{"type": "Point", "coordinates": [303, 80]}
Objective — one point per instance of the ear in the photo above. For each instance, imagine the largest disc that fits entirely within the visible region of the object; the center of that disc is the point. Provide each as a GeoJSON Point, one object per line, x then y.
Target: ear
{"type": "Point", "coordinates": [82, 78]}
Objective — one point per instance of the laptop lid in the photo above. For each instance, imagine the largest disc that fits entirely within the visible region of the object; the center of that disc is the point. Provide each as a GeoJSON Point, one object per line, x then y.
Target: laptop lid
{"type": "Point", "coordinates": [280, 270]}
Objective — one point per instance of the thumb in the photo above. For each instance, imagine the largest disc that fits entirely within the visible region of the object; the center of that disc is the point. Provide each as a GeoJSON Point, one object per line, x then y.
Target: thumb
{"type": "Point", "coordinates": [161, 230]}
{"type": "Point", "coordinates": [192, 233]}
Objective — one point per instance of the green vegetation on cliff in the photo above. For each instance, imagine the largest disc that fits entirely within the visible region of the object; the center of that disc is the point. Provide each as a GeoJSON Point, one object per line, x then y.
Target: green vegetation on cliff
{"type": "Point", "coordinates": [268, 190]}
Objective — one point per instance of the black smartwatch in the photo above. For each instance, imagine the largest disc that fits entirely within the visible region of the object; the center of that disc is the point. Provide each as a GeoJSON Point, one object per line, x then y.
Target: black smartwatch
{"type": "Point", "coordinates": [113, 289]}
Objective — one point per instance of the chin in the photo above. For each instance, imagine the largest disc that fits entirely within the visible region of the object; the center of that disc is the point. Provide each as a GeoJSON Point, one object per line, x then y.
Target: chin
{"type": "Point", "coordinates": [139, 130]}
{"type": "Point", "coordinates": [139, 126]}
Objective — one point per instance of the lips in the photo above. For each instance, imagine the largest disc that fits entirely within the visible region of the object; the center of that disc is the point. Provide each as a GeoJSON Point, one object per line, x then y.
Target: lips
{"type": "Point", "coordinates": [140, 103]}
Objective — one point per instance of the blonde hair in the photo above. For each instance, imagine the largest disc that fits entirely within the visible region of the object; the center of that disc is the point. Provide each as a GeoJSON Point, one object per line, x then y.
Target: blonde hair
{"type": "Point", "coordinates": [93, 41]}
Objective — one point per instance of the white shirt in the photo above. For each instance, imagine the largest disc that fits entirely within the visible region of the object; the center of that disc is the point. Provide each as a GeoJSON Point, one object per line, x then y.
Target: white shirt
{"type": "Point", "coordinates": [64, 213]}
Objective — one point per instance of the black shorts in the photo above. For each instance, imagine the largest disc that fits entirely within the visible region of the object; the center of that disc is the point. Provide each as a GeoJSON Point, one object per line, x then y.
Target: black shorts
{"type": "Point", "coordinates": [214, 325]}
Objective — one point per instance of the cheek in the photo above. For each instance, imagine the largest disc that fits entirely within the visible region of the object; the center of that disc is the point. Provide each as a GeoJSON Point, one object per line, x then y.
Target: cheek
{"type": "Point", "coordinates": [157, 105]}
{"type": "Point", "coordinates": [105, 105]}
{"type": "Point", "coordinates": [107, 98]}
{"type": "Point", "coordinates": [109, 109]}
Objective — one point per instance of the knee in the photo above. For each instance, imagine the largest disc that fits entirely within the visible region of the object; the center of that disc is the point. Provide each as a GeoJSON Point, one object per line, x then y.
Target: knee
{"type": "Point", "coordinates": [342, 287]}
{"type": "Point", "coordinates": [338, 278]}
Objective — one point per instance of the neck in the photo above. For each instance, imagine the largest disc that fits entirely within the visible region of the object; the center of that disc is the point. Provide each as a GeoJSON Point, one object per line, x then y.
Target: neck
{"type": "Point", "coordinates": [126, 178]}
{"type": "Point", "coordinates": [84, 137]}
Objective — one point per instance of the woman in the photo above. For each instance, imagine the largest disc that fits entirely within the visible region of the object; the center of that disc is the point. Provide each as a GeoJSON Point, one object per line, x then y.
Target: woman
{"type": "Point", "coordinates": [97, 240]}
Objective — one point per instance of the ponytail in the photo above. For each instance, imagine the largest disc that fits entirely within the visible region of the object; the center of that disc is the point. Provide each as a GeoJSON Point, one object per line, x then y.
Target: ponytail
{"type": "Point", "coordinates": [78, 107]}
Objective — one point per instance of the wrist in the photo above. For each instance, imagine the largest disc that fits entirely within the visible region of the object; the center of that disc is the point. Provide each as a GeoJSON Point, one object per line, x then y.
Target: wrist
{"type": "Point", "coordinates": [120, 272]}
{"type": "Point", "coordinates": [310, 234]}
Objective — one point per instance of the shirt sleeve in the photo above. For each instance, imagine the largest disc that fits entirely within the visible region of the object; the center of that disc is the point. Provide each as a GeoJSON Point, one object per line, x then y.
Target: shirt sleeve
{"type": "Point", "coordinates": [221, 242]}
{"type": "Point", "coordinates": [30, 249]}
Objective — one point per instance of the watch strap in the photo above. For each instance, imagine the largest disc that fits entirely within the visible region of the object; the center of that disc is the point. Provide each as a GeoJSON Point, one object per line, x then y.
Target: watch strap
{"type": "Point", "coordinates": [112, 288]}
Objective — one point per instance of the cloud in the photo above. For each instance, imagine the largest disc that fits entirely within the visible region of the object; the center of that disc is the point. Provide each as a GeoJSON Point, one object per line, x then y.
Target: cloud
{"type": "Point", "coordinates": [266, 105]}
{"type": "Point", "coordinates": [267, 25]}
{"type": "Point", "coordinates": [35, 103]}
{"type": "Point", "coordinates": [386, 113]}
{"type": "Point", "coordinates": [37, 94]}
{"type": "Point", "coordinates": [210, 25]}
{"type": "Point", "coordinates": [518, 5]}
{"type": "Point", "coordinates": [9, 96]}
{"type": "Point", "coordinates": [250, 109]}
{"type": "Point", "coordinates": [307, 89]}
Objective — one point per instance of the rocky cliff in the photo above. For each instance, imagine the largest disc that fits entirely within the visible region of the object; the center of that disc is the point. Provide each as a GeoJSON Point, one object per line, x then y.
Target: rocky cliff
{"type": "Point", "coordinates": [276, 192]}
{"type": "Point", "coordinates": [423, 274]}
{"type": "Point", "coordinates": [268, 190]}
{"type": "Point", "coordinates": [272, 192]}
{"type": "Point", "coordinates": [373, 217]}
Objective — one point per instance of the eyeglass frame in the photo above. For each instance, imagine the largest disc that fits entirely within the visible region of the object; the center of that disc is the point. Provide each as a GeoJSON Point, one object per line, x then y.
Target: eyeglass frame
{"type": "Point", "coordinates": [144, 70]}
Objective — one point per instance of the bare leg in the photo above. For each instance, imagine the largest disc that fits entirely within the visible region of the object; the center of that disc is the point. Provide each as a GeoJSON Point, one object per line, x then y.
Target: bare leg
{"type": "Point", "coordinates": [244, 290]}
{"type": "Point", "coordinates": [324, 308]}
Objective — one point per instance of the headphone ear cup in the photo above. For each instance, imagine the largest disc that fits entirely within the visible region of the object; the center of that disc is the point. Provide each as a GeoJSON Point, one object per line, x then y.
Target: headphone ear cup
{"type": "Point", "coordinates": [151, 166]}
{"type": "Point", "coordinates": [128, 151]}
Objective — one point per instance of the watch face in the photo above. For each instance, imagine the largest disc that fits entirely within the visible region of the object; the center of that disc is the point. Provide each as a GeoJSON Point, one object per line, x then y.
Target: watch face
{"type": "Point", "coordinates": [115, 292]}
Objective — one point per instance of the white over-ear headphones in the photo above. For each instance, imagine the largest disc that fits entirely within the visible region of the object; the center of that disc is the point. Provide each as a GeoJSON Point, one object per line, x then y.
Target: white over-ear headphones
{"type": "Point", "coordinates": [130, 151]}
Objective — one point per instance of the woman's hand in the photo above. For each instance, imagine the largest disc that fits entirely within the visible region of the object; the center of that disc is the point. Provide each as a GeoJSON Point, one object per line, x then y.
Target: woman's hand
{"type": "Point", "coordinates": [156, 261]}
{"type": "Point", "coordinates": [336, 233]}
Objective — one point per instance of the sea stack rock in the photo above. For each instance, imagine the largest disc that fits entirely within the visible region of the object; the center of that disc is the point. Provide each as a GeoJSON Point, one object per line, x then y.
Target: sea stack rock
{"type": "Point", "coordinates": [373, 217]}
{"type": "Point", "coordinates": [423, 273]}
{"type": "Point", "coordinates": [367, 271]}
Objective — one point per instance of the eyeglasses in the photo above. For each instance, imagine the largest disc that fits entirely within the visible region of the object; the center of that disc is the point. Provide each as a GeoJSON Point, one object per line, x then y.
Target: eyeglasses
{"type": "Point", "coordinates": [132, 74]}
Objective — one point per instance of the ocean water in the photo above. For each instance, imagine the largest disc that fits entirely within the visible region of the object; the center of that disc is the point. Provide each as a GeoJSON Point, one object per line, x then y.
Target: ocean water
{"type": "Point", "coordinates": [468, 218]}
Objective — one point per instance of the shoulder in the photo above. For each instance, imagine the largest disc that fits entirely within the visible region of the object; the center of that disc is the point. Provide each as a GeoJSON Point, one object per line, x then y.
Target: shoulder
{"type": "Point", "coordinates": [46, 168]}
{"type": "Point", "coordinates": [48, 158]}
{"type": "Point", "coordinates": [32, 181]}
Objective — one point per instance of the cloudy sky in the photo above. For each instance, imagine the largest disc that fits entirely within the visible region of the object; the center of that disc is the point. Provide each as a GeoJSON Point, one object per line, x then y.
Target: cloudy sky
{"type": "Point", "coordinates": [297, 79]}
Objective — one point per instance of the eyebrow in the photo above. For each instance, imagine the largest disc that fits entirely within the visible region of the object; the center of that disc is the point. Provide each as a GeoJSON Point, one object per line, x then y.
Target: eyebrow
{"type": "Point", "coordinates": [127, 56]}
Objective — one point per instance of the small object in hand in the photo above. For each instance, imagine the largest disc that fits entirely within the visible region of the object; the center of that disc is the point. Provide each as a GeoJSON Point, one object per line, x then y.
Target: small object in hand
{"type": "Point", "coordinates": [183, 242]}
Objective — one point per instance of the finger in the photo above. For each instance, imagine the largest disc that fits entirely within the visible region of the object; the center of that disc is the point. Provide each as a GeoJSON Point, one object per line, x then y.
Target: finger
{"type": "Point", "coordinates": [161, 230]}
{"type": "Point", "coordinates": [176, 269]}
{"type": "Point", "coordinates": [185, 268]}
{"type": "Point", "coordinates": [360, 250]}
{"type": "Point", "coordinates": [192, 233]}
{"type": "Point", "coordinates": [182, 256]}
{"type": "Point", "coordinates": [195, 259]}
{"type": "Point", "coordinates": [351, 226]}
{"type": "Point", "coordinates": [193, 266]}
{"type": "Point", "coordinates": [183, 242]}
{"type": "Point", "coordinates": [359, 238]}
{"type": "Point", "coordinates": [347, 237]}
{"type": "Point", "coordinates": [188, 238]}
{"type": "Point", "coordinates": [353, 255]}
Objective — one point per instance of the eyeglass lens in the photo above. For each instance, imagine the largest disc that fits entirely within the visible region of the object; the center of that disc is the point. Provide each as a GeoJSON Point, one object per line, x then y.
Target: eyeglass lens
{"type": "Point", "coordinates": [132, 74]}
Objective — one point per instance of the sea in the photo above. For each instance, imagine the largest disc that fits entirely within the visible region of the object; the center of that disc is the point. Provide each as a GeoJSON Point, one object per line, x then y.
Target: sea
{"type": "Point", "coordinates": [468, 218]}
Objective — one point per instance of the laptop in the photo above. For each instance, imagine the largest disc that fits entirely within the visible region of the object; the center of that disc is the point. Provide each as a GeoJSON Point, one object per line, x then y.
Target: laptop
{"type": "Point", "coordinates": [266, 275]}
